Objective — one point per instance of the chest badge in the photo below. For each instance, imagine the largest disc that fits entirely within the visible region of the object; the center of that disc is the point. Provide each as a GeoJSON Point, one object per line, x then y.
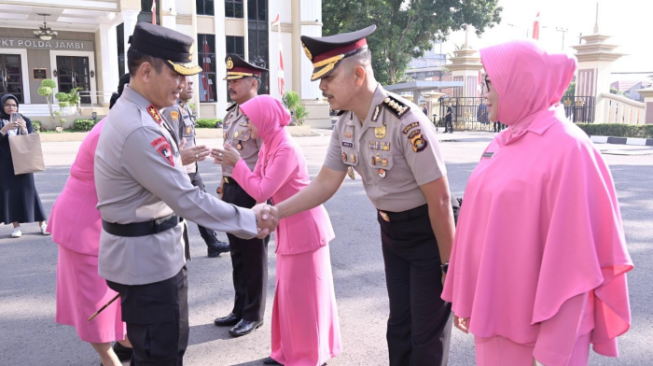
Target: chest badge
{"type": "Point", "coordinates": [382, 173]}
{"type": "Point", "coordinates": [379, 132]}
{"type": "Point", "coordinates": [353, 158]}
{"type": "Point", "coordinates": [348, 133]}
{"type": "Point", "coordinates": [239, 146]}
{"type": "Point", "coordinates": [344, 157]}
{"type": "Point", "coordinates": [375, 116]}
{"type": "Point", "coordinates": [188, 129]}
{"type": "Point", "coordinates": [174, 115]}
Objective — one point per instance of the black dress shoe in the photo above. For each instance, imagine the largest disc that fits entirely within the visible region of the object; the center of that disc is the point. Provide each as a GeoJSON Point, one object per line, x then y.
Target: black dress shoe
{"type": "Point", "coordinates": [216, 248]}
{"type": "Point", "coordinates": [245, 327]}
{"type": "Point", "coordinates": [123, 353]}
{"type": "Point", "coordinates": [227, 321]}
{"type": "Point", "coordinates": [271, 361]}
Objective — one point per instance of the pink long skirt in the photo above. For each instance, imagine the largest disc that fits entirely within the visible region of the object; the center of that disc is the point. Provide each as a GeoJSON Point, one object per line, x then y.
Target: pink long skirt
{"type": "Point", "coordinates": [305, 328]}
{"type": "Point", "coordinates": [499, 351]}
{"type": "Point", "coordinates": [80, 293]}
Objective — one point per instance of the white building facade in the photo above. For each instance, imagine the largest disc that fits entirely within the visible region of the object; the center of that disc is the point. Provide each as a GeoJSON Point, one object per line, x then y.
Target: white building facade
{"type": "Point", "coordinates": [89, 50]}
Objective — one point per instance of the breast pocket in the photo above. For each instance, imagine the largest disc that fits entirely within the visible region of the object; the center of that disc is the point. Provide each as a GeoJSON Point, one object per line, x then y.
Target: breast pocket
{"type": "Point", "coordinates": [382, 162]}
{"type": "Point", "coordinates": [188, 127]}
{"type": "Point", "coordinates": [348, 146]}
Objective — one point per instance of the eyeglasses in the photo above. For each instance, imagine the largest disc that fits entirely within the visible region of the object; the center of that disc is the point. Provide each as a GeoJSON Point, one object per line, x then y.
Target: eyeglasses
{"type": "Point", "coordinates": [486, 85]}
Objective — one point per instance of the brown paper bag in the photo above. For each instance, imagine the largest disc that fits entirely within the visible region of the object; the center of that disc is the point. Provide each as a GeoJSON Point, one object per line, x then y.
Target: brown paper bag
{"type": "Point", "coordinates": [26, 153]}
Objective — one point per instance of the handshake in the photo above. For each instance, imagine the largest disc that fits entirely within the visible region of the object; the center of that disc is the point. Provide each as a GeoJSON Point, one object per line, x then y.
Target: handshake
{"type": "Point", "coordinates": [267, 219]}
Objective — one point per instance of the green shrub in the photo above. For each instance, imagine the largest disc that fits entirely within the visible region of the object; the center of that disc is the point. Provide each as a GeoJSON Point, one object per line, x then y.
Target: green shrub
{"type": "Point", "coordinates": [57, 113]}
{"type": "Point", "coordinates": [617, 130]}
{"type": "Point", "coordinates": [45, 91]}
{"type": "Point", "coordinates": [208, 122]}
{"type": "Point", "coordinates": [63, 104]}
{"type": "Point", "coordinates": [36, 125]}
{"type": "Point", "coordinates": [81, 124]}
{"type": "Point", "coordinates": [62, 97]}
{"type": "Point", "coordinates": [49, 83]}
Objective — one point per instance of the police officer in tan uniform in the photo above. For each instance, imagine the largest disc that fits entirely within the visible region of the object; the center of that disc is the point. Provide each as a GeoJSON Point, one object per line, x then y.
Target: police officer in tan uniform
{"type": "Point", "coordinates": [142, 186]}
{"type": "Point", "coordinates": [248, 257]}
{"type": "Point", "coordinates": [392, 145]}
{"type": "Point", "coordinates": [182, 122]}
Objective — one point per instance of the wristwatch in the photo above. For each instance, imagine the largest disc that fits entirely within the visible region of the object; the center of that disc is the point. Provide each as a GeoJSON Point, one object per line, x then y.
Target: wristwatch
{"type": "Point", "coordinates": [444, 267]}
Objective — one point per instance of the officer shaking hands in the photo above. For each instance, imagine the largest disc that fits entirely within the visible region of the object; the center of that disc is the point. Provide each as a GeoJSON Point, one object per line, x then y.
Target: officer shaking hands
{"type": "Point", "coordinates": [392, 145]}
{"type": "Point", "coordinates": [181, 120]}
{"type": "Point", "coordinates": [142, 186]}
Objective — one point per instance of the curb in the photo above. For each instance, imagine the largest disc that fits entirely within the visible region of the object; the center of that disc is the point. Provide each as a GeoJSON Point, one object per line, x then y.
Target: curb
{"type": "Point", "coordinates": [622, 140]}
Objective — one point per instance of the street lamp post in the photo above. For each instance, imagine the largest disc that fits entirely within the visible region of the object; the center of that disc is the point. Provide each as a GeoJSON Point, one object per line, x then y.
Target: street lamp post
{"type": "Point", "coordinates": [564, 31]}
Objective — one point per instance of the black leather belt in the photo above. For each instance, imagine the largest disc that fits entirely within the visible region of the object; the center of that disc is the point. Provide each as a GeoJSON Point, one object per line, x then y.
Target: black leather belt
{"type": "Point", "coordinates": [142, 228]}
{"type": "Point", "coordinates": [404, 215]}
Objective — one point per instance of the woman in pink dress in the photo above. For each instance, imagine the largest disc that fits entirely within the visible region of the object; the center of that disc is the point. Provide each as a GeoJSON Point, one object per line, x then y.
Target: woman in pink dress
{"type": "Point", "coordinates": [305, 328]}
{"type": "Point", "coordinates": [538, 268]}
{"type": "Point", "coordinates": [76, 225]}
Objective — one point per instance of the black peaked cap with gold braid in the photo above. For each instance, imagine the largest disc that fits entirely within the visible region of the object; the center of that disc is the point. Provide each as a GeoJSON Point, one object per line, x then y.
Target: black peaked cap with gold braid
{"type": "Point", "coordinates": [237, 68]}
{"type": "Point", "coordinates": [174, 47]}
{"type": "Point", "coordinates": [326, 52]}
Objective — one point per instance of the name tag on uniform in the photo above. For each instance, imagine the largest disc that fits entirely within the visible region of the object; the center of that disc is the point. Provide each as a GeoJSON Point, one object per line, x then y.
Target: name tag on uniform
{"type": "Point", "coordinates": [379, 145]}
{"type": "Point", "coordinates": [488, 155]}
{"type": "Point", "coordinates": [347, 144]}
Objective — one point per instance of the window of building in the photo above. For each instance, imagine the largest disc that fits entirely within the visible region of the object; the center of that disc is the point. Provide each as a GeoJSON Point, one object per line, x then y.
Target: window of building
{"type": "Point", "coordinates": [146, 11]}
{"type": "Point", "coordinates": [205, 7]}
{"type": "Point", "coordinates": [236, 45]}
{"type": "Point", "coordinates": [258, 41]}
{"type": "Point", "coordinates": [207, 78]}
{"type": "Point", "coordinates": [233, 8]}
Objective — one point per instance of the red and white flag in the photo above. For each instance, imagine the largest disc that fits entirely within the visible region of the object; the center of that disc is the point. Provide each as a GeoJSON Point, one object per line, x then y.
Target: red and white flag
{"type": "Point", "coordinates": [153, 11]}
{"type": "Point", "coordinates": [280, 75]}
{"type": "Point", "coordinates": [536, 27]}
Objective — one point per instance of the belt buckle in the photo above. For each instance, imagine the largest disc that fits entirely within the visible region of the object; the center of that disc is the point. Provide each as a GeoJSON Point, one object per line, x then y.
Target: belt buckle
{"type": "Point", "coordinates": [385, 216]}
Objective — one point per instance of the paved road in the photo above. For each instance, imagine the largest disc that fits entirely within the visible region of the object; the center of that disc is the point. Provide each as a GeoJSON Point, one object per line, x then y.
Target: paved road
{"type": "Point", "coordinates": [29, 335]}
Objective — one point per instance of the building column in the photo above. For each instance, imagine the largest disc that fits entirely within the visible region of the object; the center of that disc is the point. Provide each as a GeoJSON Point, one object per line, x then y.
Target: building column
{"type": "Point", "coordinates": [307, 20]}
{"type": "Point", "coordinates": [648, 105]}
{"type": "Point", "coordinates": [129, 19]}
{"type": "Point", "coordinates": [107, 62]}
{"type": "Point", "coordinates": [168, 14]}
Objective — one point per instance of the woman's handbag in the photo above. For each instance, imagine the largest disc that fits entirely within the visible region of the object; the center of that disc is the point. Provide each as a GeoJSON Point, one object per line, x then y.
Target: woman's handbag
{"type": "Point", "coordinates": [26, 153]}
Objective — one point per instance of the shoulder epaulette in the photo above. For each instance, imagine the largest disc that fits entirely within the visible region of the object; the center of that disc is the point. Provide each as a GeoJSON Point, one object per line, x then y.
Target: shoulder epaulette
{"type": "Point", "coordinates": [232, 106]}
{"type": "Point", "coordinates": [395, 106]}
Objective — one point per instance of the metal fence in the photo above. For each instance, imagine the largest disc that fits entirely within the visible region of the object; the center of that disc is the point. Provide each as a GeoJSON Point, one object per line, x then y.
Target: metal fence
{"type": "Point", "coordinates": [468, 113]}
{"type": "Point", "coordinates": [471, 113]}
{"type": "Point", "coordinates": [579, 109]}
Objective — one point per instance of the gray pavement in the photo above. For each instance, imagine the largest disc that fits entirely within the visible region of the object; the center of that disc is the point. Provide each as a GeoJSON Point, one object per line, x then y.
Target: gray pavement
{"type": "Point", "coordinates": [29, 335]}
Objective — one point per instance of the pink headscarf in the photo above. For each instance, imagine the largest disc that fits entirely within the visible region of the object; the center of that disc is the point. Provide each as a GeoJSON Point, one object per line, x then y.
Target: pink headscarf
{"type": "Point", "coordinates": [527, 79]}
{"type": "Point", "coordinates": [268, 115]}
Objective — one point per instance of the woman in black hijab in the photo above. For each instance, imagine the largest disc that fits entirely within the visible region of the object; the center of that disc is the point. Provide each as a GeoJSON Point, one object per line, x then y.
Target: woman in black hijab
{"type": "Point", "coordinates": [19, 201]}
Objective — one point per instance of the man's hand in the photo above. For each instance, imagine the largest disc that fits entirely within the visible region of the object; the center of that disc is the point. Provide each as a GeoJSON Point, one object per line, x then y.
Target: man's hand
{"type": "Point", "coordinates": [461, 323]}
{"type": "Point", "coordinates": [192, 154]}
{"type": "Point", "coordinates": [227, 156]}
{"type": "Point", "coordinates": [267, 218]}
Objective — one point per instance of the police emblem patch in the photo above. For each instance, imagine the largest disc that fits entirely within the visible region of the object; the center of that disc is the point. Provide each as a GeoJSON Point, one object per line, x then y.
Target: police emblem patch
{"type": "Point", "coordinates": [174, 115]}
{"type": "Point", "coordinates": [165, 150]}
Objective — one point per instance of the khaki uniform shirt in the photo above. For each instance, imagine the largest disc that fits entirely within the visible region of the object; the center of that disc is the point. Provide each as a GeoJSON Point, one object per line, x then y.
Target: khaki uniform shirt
{"type": "Point", "coordinates": [236, 135]}
{"type": "Point", "coordinates": [180, 117]}
{"type": "Point", "coordinates": [139, 177]}
{"type": "Point", "coordinates": [395, 150]}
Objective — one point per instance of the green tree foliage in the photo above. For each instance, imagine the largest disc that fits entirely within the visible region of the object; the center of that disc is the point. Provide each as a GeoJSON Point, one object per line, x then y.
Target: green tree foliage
{"type": "Point", "coordinates": [406, 28]}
